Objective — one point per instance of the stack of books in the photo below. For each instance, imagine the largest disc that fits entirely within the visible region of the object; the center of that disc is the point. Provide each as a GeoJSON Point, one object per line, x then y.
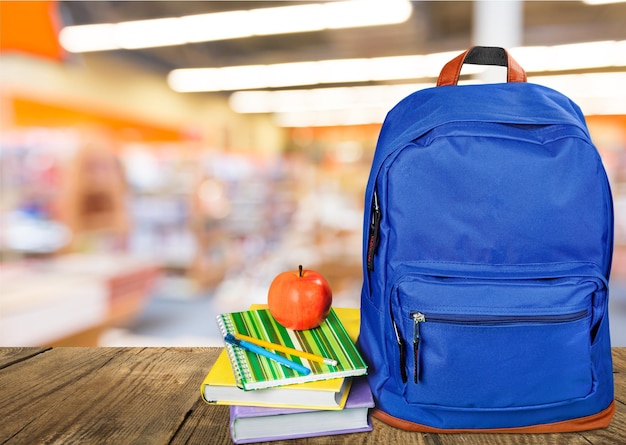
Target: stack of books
{"type": "Point", "coordinates": [299, 384]}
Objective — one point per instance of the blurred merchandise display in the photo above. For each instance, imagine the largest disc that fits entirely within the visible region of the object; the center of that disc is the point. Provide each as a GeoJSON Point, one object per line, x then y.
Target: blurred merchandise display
{"type": "Point", "coordinates": [241, 206]}
{"type": "Point", "coordinates": [103, 161]}
{"type": "Point", "coordinates": [160, 178]}
{"type": "Point", "coordinates": [609, 135]}
{"type": "Point", "coordinates": [71, 299]}
{"type": "Point", "coordinates": [62, 190]}
{"type": "Point", "coordinates": [32, 166]}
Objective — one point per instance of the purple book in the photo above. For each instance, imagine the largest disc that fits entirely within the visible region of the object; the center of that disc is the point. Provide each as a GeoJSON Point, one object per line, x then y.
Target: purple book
{"type": "Point", "coordinates": [249, 424]}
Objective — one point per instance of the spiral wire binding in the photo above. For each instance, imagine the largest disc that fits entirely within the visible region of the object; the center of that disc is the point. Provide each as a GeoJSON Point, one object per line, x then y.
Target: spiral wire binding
{"type": "Point", "coordinates": [237, 355]}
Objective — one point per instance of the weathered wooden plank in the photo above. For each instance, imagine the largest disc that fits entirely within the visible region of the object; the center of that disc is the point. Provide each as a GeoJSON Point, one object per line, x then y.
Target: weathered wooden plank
{"type": "Point", "coordinates": [614, 434]}
{"type": "Point", "coordinates": [512, 439]}
{"type": "Point", "coordinates": [9, 356]}
{"type": "Point", "coordinates": [619, 373]}
{"type": "Point", "coordinates": [101, 395]}
{"type": "Point", "coordinates": [210, 424]}
{"type": "Point", "coordinates": [204, 424]}
{"type": "Point", "coordinates": [385, 433]}
{"type": "Point", "coordinates": [382, 434]}
{"type": "Point", "coordinates": [152, 395]}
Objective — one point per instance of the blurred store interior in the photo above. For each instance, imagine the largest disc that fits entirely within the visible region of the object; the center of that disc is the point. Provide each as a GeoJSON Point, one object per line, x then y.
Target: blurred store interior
{"type": "Point", "coordinates": [162, 161]}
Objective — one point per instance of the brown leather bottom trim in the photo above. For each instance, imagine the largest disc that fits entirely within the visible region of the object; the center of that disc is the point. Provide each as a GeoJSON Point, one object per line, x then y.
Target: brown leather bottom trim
{"type": "Point", "coordinates": [595, 421]}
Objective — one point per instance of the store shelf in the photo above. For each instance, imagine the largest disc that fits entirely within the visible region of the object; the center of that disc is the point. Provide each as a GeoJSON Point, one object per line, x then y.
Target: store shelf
{"type": "Point", "coordinates": [71, 299]}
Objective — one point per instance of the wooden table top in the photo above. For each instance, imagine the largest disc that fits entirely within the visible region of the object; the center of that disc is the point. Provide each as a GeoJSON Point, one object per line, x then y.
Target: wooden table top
{"type": "Point", "coordinates": [152, 396]}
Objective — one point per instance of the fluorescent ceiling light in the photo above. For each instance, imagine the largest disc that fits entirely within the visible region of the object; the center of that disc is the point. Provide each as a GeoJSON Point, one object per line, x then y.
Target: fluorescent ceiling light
{"type": "Point", "coordinates": [324, 106]}
{"type": "Point", "coordinates": [234, 24]}
{"type": "Point", "coordinates": [88, 38]}
{"type": "Point", "coordinates": [581, 87]}
{"type": "Point", "coordinates": [333, 118]}
{"type": "Point", "coordinates": [321, 99]}
{"type": "Point", "coordinates": [310, 73]}
{"type": "Point", "coordinates": [353, 14]}
{"type": "Point", "coordinates": [147, 33]}
{"type": "Point", "coordinates": [577, 56]}
{"type": "Point", "coordinates": [595, 93]}
{"type": "Point", "coordinates": [286, 19]}
{"type": "Point", "coordinates": [602, 2]}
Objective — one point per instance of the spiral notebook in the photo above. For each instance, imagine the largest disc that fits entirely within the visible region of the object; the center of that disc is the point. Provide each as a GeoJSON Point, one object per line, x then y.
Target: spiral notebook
{"type": "Point", "coordinates": [330, 340]}
{"type": "Point", "coordinates": [219, 387]}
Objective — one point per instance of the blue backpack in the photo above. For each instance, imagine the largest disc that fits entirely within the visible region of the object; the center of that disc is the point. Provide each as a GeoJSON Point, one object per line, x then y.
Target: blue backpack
{"type": "Point", "coordinates": [488, 241]}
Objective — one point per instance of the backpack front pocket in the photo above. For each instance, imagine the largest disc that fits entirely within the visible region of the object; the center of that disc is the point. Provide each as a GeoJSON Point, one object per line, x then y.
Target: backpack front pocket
{"type": "Point", "coordinates": [495, 338]}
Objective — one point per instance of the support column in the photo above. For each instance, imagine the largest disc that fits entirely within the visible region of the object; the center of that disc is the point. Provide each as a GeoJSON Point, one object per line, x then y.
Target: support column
{"type": "Point", "coordinates": [497, 23]}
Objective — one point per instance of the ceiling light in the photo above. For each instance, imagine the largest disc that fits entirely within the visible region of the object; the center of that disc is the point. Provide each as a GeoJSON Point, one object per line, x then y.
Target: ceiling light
{"type": "Point", "coordinates": [305, 73]}
{"type": "Point", "coordinates": [575, 56]}
{"type": "Point", "coordinates": [365, 13]}
{"type": "Point", "coordinates": [78, 39]}
{"type": "Point", "coordinates": [324, 106]}
{"type": "Point", "coordinates": [217, 26]}
{"type": "Point", "coordinates": [602, 2]}
{"type": "Point", "coordinates": [333, 118]}
{"type": "Point", "coordinates": [321, 99]}
{"type": "Point", "coordinates": [286, 19]}
{"type": "Point", "coordinates": [147, 33]}
{"type": "Point", "coordinates": [234, 24]}
{"type": "Point", "coordinates": [579, 56]}
{"type": "Point", "coordinates": [586, 85]}
{"type": "Point", "coordinates": [595, 93]}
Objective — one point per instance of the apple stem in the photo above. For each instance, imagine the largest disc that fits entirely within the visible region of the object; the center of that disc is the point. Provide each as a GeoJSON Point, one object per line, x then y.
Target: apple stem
{"type": "Point", "coordinates": [300, 270]}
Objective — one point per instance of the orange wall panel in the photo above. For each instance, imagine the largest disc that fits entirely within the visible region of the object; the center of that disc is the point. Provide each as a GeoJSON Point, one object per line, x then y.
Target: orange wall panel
{"type": "Point", "coordinates": [31, 27]}
{"type": "Point", "coordinates": [31, 113]}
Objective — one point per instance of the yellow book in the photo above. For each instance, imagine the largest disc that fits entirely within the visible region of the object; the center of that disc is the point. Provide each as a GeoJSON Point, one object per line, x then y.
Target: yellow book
{"type": "Point", "coordinates": [220, 387]}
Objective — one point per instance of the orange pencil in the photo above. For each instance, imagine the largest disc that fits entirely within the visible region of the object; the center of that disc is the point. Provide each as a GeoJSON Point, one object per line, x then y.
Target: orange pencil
{"type": "Point", "coordinates": [287, 350]}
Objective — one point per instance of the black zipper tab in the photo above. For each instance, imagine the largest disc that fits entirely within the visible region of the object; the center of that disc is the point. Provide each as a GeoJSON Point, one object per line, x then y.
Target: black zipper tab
{"type": "Point", "coordinates": [402, 351]}
{"type": "Point", "coordinates": [418, 318]}
{"type": "Point", "coordinates": [372, 241]}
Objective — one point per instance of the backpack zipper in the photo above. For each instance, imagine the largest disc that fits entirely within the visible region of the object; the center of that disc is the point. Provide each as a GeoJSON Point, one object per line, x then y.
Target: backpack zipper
{"type": "Point", "coordinates": [372, 241]}
{"type": "Point", "coordinates": [418, 318]}
{"type": "Point", "coordinates": [473, 320]}
{"type": "Point", "coordinates": [402, 351]}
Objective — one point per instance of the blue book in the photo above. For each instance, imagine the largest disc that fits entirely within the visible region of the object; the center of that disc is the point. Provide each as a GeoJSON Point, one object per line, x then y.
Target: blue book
{"type": "Point", "coordinates": [249, 424]}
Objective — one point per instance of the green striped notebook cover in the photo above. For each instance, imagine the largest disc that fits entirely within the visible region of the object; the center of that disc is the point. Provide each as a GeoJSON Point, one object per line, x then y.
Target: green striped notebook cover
{"type": "Point", "coordinates": [253, 371]}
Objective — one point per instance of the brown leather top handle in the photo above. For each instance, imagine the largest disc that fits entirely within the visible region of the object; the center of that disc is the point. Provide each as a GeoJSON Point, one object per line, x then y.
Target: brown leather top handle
{"type": "Point", "coordinates": [481, 55]}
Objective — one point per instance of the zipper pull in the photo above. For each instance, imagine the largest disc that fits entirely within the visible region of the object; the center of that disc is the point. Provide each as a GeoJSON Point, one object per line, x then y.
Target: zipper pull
{"type": "Point", "coordinates": [418, 318]}
{"type": "Point", "coordinates": [372, 241]}
{"type": "Point", "coordinates": [402, 353]}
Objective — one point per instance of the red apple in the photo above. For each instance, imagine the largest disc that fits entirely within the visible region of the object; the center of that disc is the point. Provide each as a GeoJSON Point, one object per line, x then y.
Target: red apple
{"type": "Point", "coordinates": [299, 299]}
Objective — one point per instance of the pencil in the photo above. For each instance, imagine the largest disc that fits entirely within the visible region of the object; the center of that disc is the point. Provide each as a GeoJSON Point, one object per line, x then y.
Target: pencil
{"type": "Point", "coordinates": [265, 353]}
{"type": "Point", "coordinates": [288, 350]}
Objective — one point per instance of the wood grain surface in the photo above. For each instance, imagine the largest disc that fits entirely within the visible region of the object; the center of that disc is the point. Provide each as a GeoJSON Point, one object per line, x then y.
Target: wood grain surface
{"type": "Point", "coordinates": [152, 396]}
